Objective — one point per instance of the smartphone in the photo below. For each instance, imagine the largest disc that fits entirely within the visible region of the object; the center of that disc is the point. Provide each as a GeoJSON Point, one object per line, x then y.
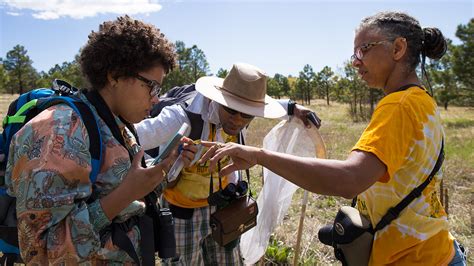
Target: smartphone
{"type": "Point", "coordinates": [171, 144]}
{"type": "Point", "coordinates": [178, 165]}
{"type": "Point", "coordinates": [174, 171]}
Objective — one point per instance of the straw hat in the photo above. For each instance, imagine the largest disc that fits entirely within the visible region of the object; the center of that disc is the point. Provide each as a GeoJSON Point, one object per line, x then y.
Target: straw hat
{"type": "Point", "coordinates": [243, 89]}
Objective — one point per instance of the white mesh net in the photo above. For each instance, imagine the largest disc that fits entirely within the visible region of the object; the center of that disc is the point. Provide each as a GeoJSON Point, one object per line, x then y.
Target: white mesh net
{"type": "Point", "coordinates": [289, 137]}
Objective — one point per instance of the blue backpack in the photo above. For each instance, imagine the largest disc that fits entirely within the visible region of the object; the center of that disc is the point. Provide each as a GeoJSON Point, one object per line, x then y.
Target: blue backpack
{"type": "Point", "coordinates": [20, 111]}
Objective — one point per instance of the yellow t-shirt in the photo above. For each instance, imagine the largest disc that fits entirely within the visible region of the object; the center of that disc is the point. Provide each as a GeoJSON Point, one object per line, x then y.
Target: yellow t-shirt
{"type": "Point", "coordinates": [405, 133]}
{"type": "Point", "coordinates": [192, 189]}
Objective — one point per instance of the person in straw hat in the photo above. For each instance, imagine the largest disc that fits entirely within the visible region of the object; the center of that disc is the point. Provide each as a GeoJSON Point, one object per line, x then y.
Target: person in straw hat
{"type": "Point", "coordinates": [225, 108]}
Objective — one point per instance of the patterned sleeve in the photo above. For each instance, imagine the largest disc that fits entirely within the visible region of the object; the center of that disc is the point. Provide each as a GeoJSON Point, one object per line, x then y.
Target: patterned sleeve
{"type": "Point", "coordinates": [48, 172]}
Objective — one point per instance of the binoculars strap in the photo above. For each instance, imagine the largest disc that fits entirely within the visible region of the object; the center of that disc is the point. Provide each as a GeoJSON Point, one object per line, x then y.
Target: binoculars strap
{"type": "Point", "coordinates": [247, 171]}
{"type": "Point", "coordinates": [211, 184]}
{"type": "Point", "coordinates": [241, 140]}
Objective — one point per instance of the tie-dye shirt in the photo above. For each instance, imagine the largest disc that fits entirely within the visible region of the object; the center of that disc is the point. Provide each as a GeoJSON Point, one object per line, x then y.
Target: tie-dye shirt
{"type": "Point", "coordinates": [48, 172]}
{"type": "Point", "coordinates": [405, 133]}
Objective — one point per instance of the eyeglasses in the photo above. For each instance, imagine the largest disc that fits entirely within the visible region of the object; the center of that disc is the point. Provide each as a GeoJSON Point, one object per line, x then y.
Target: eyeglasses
{"type": "Point", "coordinates": [155, 87]}
{"type": "Point", "coordinates": [364, 48]}
{"type": "Point", "coordinates": [234, 112]}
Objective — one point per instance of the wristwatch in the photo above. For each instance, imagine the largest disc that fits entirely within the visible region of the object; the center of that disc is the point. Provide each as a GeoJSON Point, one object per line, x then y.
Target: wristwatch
{"type": "Point", "coordinates": [291, 107]}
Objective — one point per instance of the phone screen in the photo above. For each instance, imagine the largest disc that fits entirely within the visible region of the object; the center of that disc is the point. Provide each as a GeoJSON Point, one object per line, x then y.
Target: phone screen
{"type": "Point", "coordinates": [171, 144]}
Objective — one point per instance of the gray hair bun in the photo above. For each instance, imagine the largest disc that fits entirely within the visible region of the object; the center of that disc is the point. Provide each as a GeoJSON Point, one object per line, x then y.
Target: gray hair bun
{"type": "Point", "coordinates": [434, 44]}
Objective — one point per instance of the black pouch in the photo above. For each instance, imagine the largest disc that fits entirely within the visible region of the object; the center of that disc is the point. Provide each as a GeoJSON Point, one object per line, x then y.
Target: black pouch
{"type": "Point", "coordinates": [181, 213]}
{"type": "Point", "coordinates": [351, 235]}
{"type": "Point", "coordinates": [165, 241]}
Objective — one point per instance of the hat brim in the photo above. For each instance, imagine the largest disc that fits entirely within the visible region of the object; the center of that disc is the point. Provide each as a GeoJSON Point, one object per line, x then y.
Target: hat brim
{"type": "Point", "coordinates": [210, 87]}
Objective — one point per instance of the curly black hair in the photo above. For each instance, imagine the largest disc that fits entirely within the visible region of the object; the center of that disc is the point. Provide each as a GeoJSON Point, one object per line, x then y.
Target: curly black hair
{"type": "Point", "coordinates": [124, 47]}
{"type": "Point", "coordinates": [421, 42]}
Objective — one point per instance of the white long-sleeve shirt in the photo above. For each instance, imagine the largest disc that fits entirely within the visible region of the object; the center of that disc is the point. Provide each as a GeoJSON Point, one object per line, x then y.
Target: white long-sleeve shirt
{"type": "Point", "coordinates": [157, 131]}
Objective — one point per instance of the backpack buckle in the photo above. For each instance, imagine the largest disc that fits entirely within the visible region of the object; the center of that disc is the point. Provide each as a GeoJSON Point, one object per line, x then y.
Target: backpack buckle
{"type": "Point", "coordinates": [63, 88]}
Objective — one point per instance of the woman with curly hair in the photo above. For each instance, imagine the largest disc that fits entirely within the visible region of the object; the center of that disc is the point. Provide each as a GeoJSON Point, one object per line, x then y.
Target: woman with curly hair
{"type": "Point", "coordinates": [62, 217]}
{"type": "Point", "coordinates": [396, 152]}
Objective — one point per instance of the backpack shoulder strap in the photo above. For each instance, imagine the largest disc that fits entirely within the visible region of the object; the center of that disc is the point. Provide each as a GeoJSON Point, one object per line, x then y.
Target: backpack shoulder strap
{"type": "Point", "coordinates": [104, 112]}
{"type": "Point", "coordinates": [178, 95]}
{"type": "Point", "coordinates": [197, 124]}
{"type": "Point", "coordinates": [91, 124]}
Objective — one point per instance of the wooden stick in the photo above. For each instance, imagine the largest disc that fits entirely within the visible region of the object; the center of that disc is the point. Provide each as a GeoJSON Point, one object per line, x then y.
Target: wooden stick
{"type": "Point", "coordinates": [300, 227]}
{"type": "Point", "coordinates": [446, 202]}
{"type": "Point", "coordinates": [441, 192]}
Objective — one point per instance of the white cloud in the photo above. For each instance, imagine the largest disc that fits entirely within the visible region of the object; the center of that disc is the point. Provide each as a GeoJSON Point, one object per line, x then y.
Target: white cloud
{"type": "Point", "coordinates": [79, 9]}
{"type": "Point", "coordinates": [15, 14]}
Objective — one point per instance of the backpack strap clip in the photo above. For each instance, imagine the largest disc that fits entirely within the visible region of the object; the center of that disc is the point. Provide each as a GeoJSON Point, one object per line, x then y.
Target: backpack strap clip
{"type": "Point", "coordinates": [62, 88]}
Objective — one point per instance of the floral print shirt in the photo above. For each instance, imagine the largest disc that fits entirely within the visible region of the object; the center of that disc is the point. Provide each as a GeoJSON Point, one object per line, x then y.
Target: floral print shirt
{"type": "Point", "coordinates": [48, 173]}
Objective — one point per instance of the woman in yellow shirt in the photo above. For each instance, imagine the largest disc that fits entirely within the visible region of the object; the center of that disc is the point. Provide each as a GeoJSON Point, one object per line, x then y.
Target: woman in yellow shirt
{"type": "Point", "coordinates": [395, 154]}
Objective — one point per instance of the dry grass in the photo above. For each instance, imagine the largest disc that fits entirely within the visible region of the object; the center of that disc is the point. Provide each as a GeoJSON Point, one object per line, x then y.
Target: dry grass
{"type": "Point", "coordinates": [5, 100]}
{"type": "Point", "coordinates": [340, 133]}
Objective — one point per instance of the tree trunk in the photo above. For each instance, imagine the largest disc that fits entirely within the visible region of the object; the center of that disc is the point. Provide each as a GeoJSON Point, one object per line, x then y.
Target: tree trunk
{"type": "Point", "coordinates": [327, 94]}
{"type": "Point", "coordinates": [20, 82]}
{"type": "Point", "coordinates": [446, 105]}
{"type": "Point", "coordinates": [372, 101]}
{"type": "Point", "coordinates": [354, 100]}
{"type": "Point", "coordinates": [195, 72]}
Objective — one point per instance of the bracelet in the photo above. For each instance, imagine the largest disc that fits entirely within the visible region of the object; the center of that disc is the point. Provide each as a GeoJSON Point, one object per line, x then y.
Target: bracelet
{"type": "Point", "coordinates": [163, 184]}
{"type": "Point", "coordinates": [164, 173]}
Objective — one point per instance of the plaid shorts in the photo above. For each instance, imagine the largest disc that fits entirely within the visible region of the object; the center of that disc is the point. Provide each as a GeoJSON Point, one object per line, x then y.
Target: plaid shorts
{"type": "Point", "coordinates": [195, 245]}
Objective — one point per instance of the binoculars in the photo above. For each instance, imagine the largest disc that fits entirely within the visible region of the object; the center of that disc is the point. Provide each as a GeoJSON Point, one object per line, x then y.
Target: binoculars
{"type": "Point", "coordinates": [231, 192]}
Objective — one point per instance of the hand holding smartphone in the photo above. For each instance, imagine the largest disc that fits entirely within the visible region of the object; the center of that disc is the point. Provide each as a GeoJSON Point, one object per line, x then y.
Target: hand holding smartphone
{"type": "Point", "coordinates": [172, 144]}
{"type": "Point", "coordinates": [178, 165]}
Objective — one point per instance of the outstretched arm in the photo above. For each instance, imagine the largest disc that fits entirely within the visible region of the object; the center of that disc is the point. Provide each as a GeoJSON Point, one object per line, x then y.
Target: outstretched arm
{"type": "Point", "coordinates": [345, 178]}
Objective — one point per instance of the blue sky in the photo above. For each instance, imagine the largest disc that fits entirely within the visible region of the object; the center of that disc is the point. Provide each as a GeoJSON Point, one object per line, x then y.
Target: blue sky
{"type": "Point", "coordinates": [277, 36]}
